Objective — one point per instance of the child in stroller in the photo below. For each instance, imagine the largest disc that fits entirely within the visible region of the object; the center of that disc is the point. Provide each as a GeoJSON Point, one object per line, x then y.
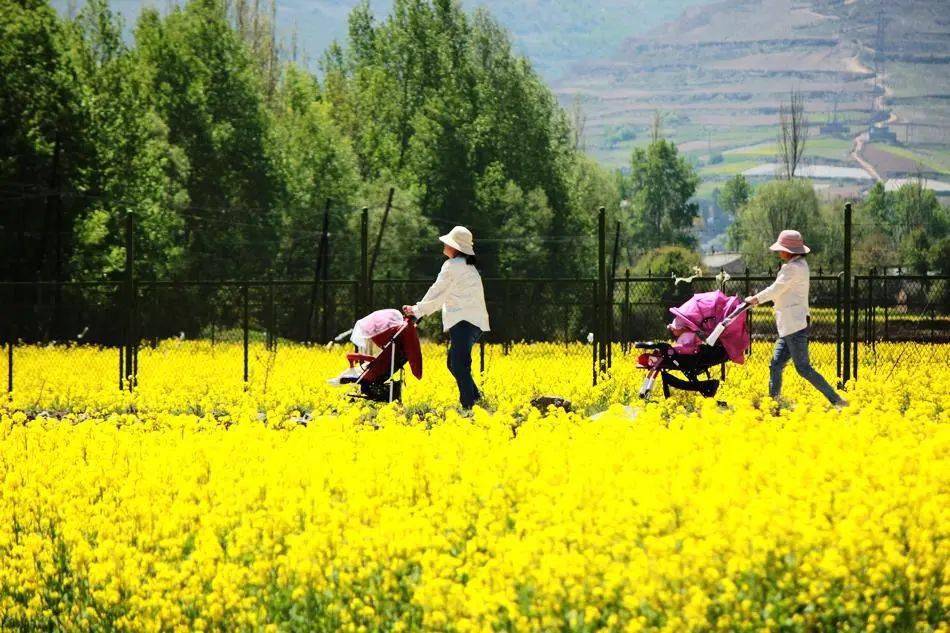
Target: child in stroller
{"type": "Point", "coordinates": [397, 342]}
{"type": "Point", "coordinates": [710, 329]}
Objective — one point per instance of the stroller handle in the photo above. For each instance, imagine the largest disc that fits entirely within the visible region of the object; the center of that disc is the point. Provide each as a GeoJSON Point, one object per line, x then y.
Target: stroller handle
{"type": "Point", "coordinates": [745, 306]}
{"type": "Point", "coordinates": [713, 337]}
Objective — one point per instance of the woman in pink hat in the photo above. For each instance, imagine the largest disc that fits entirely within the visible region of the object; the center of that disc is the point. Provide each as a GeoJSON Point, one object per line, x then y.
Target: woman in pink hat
{"type": "Point", "coordinates": [459, 293]}
{"type": "Point", "coordinates": [789, 294]}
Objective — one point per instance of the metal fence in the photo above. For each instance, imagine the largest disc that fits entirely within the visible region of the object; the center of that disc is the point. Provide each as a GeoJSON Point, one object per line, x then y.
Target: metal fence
{"type": "Point", "coordinates": [892, 318]}
{"type": "Point", "coordinates": [901, 318]}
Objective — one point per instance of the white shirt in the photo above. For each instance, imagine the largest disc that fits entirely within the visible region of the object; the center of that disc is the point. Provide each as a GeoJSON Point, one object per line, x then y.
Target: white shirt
{"type": "Point", "coordinates": [459, 293]}
{"type": "Point", "coordinates": [789, 293]}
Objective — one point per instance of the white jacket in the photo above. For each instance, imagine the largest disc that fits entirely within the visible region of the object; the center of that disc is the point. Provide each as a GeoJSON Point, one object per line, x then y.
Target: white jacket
{"type": "Point", "coordinates": [789, 293]}
{"type": "Point", "coordinates": [459, 293]}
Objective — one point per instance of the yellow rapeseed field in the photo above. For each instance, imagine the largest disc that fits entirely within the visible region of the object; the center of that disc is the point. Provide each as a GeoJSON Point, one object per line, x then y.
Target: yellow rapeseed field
{"type": "Point", "coordinates": [196, 503]}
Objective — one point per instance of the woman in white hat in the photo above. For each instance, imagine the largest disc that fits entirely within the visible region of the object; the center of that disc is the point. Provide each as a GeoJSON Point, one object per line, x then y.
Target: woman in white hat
{"type": "Point", "coordinates": [459, 293]}
{"type": "Point", "coordinates": [789, 294]}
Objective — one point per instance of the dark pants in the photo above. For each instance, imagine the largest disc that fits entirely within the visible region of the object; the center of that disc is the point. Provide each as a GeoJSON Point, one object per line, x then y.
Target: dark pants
{"type": "Point", "coordinates": [795, 347]}
{"type": "Point", "coordinates": [462, 338]}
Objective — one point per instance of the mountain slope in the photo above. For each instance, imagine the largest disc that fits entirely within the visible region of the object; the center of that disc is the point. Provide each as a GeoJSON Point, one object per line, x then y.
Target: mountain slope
{"type": "Point", "coordinates": [719, 72]}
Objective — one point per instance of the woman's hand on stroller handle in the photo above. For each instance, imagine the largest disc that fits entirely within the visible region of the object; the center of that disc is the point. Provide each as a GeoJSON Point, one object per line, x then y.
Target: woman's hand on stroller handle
{"type": "Point", "coordinates": [410, 314]}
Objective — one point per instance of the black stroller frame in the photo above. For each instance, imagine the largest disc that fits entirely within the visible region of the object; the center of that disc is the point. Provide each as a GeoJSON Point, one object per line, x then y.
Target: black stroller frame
{"type": "Point", "coordinates": [692, 366]}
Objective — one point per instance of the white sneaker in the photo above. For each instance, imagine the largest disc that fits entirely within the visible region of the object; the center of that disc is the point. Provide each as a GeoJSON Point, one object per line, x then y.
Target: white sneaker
{"type": "Point", "coordinates": [841, 404]}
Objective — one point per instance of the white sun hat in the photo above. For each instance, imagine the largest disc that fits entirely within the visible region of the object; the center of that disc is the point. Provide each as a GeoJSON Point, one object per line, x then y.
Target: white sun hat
{"type": "Point", "coordinates": [459, 238]}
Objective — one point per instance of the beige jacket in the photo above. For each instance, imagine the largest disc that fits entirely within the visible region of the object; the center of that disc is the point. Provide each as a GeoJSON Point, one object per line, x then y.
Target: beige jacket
{"type": "Point", "coordinates": [789, 294]}
{"type": "Point", "coordinates": [459, 293]}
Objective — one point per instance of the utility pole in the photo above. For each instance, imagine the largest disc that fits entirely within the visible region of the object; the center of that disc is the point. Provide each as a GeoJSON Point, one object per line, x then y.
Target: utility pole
{"type": "Point", "coordinates": [364, 262]}
{"type": "Point", "coordinates": [379, 237]}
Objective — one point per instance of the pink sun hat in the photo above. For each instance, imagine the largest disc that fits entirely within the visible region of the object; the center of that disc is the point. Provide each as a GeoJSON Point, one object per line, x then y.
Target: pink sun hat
{"type": "Point", "coordinates": [790, 242]}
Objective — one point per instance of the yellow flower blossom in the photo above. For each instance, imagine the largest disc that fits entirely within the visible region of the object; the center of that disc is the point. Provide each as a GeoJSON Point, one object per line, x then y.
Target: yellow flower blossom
{"type": "Point", "coordinates": [194, 503]}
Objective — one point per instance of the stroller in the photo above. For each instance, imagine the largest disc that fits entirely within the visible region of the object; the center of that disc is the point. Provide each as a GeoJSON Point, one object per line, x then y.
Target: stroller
{"type": "Point", "coordinates": [385, 341]}
{"type": "Point", "coordinates": [721, 326]}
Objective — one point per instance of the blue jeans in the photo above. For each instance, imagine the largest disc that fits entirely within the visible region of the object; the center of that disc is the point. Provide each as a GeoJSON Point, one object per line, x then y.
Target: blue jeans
{"type": "Point", "coordinates": [795, 347]}
{"type": "Point", "coordinates": [462, 338]}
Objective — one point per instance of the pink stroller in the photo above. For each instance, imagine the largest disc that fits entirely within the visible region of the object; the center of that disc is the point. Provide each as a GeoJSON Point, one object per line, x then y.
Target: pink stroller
{"type": "Point", "coordinates": [720, 323]}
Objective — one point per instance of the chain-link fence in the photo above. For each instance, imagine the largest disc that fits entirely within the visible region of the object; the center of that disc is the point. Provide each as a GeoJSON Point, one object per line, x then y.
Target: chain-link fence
{"type": "Point", "coordinates": [114, 334]}
{"type": "Point", "coordinates": [901, 318]}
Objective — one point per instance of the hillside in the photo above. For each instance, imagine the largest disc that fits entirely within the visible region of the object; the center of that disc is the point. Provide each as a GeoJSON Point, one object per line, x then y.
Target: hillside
{"type": "Point", "coordinates": [719, 71]}
{"type": "Point", "coordinates": [553, 34]}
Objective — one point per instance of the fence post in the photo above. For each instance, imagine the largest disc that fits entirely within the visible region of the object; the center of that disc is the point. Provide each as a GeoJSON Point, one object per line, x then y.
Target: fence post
{"type": "Point", "coordinates": [130, 299]}
{"type": "Point", "coordinates": [838, 304]}
{"type": "Point", "coordinates": [854, 332]}
{"type": "Point", "coordinates": [846, 308]}
{"type": "Point", "coordinates": [10, 368]}
{"type": "Point", "coordinates": [594, 342]}
{"type": "Point", "coordinates": [567, 323]}
{"type": "Point", "coordinates": [933, 310]}
{"type": "Point", "coordinates": [611, 286]}
{"type": "Point", "coordinates": [271, 342]}
{"type": "Point", "coordinates": [871, 314]}
{"type": "Point", "coordinates": [364, 292]}
{"type": "Point", "coordinates": [625, 326]}
{"type": "Point", "coordinates": [602, 289]}
{"type": "Point", "coordinates": [749, 313]}
{"type": "Point", "coordinates": [508, 320]}
{"type": "Point", "coordinates": [245, 326]}
{"type": "Point", "coordinates": [318, 263]}
{"type": "Point", "coordinates": [887, 301]}
{"type": "Point", "coordinates": [325, 300]}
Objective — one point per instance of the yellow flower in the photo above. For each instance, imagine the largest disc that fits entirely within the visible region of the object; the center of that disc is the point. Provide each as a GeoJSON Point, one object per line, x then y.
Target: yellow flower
{"type": "Point", "coordinates": [193, 503]}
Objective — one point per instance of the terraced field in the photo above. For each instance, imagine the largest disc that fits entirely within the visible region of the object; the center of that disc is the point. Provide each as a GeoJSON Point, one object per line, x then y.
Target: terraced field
{"type": "Point", "coordinates": [719, 87]}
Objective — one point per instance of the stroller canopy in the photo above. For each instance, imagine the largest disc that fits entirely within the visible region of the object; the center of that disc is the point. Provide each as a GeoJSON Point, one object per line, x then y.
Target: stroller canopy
{"type": "Point", "coordinates": [381, 327]}
{"type": "Point", "coordinates": [706, 310]}
{"type": "Point", "coordinates": [373, 325]}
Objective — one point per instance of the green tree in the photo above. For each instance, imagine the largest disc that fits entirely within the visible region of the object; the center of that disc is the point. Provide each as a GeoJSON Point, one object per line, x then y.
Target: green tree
{"type": "Point", "coordinates": [438, 99]}
{"type": "Point", "coordinates": [40, 145]}
{"type": "Point", "coordinates": [520, 247]}
{"type": "Point", "coordinates": [920, 222]}
{"type": "Point", "coordinates": [313, 162]}
{"type": "Point", "coordinates": [204, 85]}
{"type": "Point", "coordinates": [734, 194]}
{"type": "Point", "coordinates": [663, 183]}
{"type": "Point", "coordinates": [130, 167]}
{"type": "Point", "coordinates": [902, 228]}
{"type": "Point", "coordinates": [778, 205]}
{"type": "Point", "coordinates": [732, 197]}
